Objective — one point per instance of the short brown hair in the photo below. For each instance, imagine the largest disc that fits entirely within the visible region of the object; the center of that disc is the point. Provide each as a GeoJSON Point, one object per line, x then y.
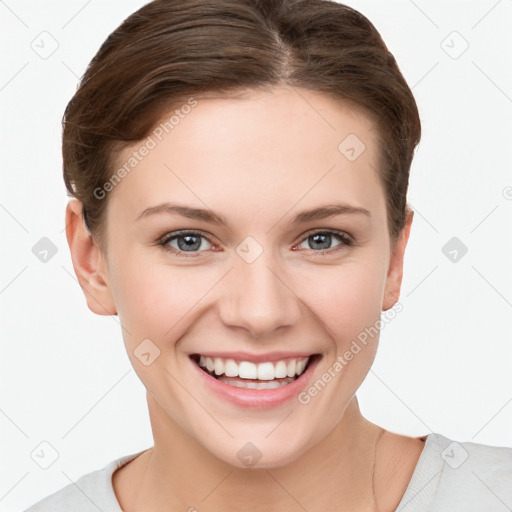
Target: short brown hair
{"type": "Point", "coordinates": [170, 50]}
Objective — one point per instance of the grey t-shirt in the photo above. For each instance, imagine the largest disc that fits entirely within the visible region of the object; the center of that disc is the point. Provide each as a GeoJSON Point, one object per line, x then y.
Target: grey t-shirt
{"type": "Point", "coordinates": [449, 476]}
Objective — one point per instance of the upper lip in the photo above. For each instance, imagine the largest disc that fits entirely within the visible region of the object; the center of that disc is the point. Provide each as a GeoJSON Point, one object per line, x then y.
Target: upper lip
{"type": "Point", "coordinates": [254, 358]}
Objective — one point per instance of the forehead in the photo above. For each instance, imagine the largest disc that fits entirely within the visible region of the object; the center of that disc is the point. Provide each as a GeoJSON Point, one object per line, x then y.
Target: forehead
{"type": "Point", "coordinates": [285, 121]}
{"type": "Point", "coordinates": [255, 150]}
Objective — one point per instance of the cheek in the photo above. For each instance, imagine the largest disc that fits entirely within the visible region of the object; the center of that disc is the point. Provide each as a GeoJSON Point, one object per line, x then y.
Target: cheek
{"type": "Point", "coordinates": [346, 301]}
{"type": "Point", "coordinates": [158, 301]}
{"type": "Point", "coordinates": [346, 298]}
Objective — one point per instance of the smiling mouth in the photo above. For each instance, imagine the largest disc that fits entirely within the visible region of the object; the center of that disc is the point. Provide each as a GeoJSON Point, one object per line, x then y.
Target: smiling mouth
{"type": "Point", "coordinates": [246, 374]}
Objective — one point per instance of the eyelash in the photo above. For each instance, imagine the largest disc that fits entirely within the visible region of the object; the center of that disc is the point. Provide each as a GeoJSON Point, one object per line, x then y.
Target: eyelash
{"type": "Point", "coordinates": [344, 238]}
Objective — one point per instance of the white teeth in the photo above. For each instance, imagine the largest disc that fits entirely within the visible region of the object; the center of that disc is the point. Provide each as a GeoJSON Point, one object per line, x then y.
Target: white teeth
{"type": "Point", "coordinates": [247, 370]}
{"type": "Point", "coordinates": [230, 368]}
{"type": "Point", "coordinates": [209, 364]}
{"type": "Point", "coordinates": [280, 371]}
{"type": "Point", "coordinates": [266, 371]}
{"type": "Point", "coordinates": [291, 368]}
{"type": "Point", "coordinates": [240, 383]}
{"type": "Point", "coordinates": [219, 366]}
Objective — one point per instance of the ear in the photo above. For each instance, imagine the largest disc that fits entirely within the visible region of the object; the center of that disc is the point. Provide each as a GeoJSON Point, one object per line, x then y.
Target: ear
{"type": "Point", "coordinates": [88, 262]}
{"type": "Point", "coordinates": [396, 263]}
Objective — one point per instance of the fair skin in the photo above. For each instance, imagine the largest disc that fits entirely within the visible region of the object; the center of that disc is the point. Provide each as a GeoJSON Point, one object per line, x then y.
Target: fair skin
{"type": "Point", "coordinates": [257, 160]}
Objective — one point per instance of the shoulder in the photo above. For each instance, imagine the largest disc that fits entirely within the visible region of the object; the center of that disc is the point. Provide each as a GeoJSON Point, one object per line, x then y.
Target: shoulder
{"type": "Point", "coordinates": [475, 476]}
{"type": "Point", "coordinates": [460, 475]}
{"type": "Point", "coordinates": [91, 492]}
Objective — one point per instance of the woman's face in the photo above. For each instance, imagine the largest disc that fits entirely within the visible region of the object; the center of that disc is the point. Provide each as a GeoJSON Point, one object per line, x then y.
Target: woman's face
{"type": "Point", "coordinates": [260, 289]}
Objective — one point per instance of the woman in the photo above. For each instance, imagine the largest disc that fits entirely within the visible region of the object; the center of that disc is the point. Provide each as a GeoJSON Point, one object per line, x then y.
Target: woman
{"type": "Point", "coordinates": [239, 173]}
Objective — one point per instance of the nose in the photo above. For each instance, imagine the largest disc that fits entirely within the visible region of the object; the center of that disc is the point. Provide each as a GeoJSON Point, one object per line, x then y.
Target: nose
{"type": "Point", "coordinates": [255, 296]}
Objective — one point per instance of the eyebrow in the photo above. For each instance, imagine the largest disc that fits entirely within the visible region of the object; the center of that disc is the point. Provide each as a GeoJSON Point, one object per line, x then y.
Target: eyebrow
{"type": "Point", "coordinates": [210, 216]}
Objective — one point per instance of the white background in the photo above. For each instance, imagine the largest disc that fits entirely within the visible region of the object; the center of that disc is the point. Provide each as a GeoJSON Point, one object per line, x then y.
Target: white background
{"type": "Point", "coordinates": [444, 364]}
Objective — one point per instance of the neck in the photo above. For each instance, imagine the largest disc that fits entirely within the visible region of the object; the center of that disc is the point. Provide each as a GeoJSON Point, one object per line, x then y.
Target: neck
{"type": "Point", "coordinates": [337, 473]}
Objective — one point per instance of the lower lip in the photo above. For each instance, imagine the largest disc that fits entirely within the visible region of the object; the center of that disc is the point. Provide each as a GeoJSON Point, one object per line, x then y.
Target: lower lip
{"type": "Point", "coordinates": [257, 398]}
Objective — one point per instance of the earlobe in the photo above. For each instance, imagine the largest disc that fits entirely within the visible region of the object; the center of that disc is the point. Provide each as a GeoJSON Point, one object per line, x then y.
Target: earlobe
{"type": "Point", "coordinates": [88, 262]}
{"type": "Point", "coordinates": [395, 271]}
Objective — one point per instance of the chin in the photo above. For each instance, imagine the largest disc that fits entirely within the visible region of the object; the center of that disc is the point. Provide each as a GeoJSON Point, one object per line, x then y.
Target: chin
{"type": "Point", "coordinates": [258, 452]}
